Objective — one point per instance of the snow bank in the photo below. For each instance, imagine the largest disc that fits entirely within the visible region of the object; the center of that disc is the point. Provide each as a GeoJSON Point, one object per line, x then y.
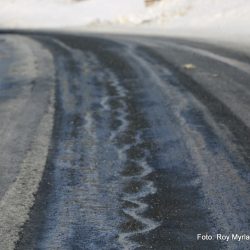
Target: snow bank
{"type": "Point", "coordinates": [221, 17]}
{"type": "Point", "coordinates": [200, 13]}
{"type": "Point", "coordinates": [63, 13]}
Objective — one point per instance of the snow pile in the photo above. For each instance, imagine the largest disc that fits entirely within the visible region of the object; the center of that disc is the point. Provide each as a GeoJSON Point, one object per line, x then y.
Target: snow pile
{"type": "Point", "coordinates": [63, 13]}
{"type": "Point", "coordinates": [201, 18]}
{"type": "Point", "coordinates": [216, 15]}
{"type": "Point", "coordinates": [200, 13]}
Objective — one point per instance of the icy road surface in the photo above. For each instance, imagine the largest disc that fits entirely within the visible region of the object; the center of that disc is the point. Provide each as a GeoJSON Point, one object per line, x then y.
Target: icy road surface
{"type": "Point", "coordinates": [122, 142]}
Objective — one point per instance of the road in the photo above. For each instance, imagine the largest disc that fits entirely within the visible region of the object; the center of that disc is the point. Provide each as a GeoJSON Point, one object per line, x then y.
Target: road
{"type": "Point", "coordinates": [122, 142]}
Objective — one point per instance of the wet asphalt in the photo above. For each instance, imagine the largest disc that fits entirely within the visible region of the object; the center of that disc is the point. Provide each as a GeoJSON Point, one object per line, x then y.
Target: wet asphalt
{"type": "Point", "coordinates": [146, 151]}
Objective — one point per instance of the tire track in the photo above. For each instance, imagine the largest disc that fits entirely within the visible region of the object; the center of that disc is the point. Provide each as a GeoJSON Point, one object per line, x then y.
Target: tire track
{"type": "Point", "coordinates": [139, 161]}
{"type": "Point", "coordinates": [220, 180]}
{"type": "Point", "coordinates": [82, 208]}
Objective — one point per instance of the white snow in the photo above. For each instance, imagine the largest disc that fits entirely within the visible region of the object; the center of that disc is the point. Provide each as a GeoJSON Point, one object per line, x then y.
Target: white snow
{"type": "Point", "coordinates": [186, 17]}
{"type": "Point", "coordinates": [63, 13]}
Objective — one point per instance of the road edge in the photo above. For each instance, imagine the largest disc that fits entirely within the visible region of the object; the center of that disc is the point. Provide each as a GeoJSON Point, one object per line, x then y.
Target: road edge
{"type": "Point", "coordinates": [19, 199]}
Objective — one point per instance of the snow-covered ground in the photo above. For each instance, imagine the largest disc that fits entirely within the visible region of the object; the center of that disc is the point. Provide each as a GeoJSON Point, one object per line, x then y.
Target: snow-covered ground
{"type": "Point", "coordinates": [185, 17]}
{"type": "Point", "coordinates": [64, 13]}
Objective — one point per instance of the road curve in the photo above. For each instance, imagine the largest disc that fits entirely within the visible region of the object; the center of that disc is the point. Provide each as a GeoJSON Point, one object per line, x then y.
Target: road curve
{"type": "Point", "coordinates": [122, 142]}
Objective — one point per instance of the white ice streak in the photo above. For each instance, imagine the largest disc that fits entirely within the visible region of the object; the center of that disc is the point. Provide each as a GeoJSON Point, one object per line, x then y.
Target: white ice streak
{"type": "Point", "coordinates": [135, 198]}
{"type": "Point", "coordinates": [148, 187]}
{"type": "Point", "coordinates": [105, 104]}
{"type": "Point", "coordinates": [141, 207]}
{"type": "Point", "coordinates": [122, 111]}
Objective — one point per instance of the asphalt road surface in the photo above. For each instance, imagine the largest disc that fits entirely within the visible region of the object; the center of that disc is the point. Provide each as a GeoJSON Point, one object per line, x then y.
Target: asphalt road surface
{"type": "Point", "coordinates": [123, 142]}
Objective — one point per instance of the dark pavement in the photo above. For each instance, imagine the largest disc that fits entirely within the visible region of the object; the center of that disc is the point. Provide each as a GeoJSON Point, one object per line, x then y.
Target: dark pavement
{"type": "Point", "coordinates": [147, 142]}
